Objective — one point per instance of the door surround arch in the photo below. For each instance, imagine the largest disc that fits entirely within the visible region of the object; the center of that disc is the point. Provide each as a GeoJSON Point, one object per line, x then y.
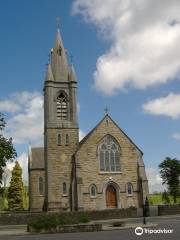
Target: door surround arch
{"type": "Point", "coordinates": [117, 189]}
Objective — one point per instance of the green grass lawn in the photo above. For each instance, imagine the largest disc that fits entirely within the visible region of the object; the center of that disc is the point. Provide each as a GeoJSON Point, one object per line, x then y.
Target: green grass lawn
{"type": "Point", "coordinates": [156, 199]}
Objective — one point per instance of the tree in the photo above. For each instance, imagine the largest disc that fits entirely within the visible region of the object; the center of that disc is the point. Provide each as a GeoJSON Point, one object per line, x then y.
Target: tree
{"type": "Point", "coordinates": [6, 176]}
{"type": "Point", "coordinates": [165, 197]}
{"type": "Point", "coordinates": [15, 190]}
{"type": "Point", "coordinates": [170, 173]}
{"type": "Point", "coordinates": [7, 151]}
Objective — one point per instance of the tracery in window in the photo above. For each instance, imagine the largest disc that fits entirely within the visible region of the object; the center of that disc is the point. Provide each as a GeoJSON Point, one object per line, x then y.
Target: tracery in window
{"type": "Point", "coordinates": [41, 186]}
{"type": "Point", "coordinates": [61, 107]}
{"type": "Point", "coordinates": [129, 189]}
{"type": "Point", "coordinates": [109, 154]}
{"type": "Point", "coordinates": [93, 190]}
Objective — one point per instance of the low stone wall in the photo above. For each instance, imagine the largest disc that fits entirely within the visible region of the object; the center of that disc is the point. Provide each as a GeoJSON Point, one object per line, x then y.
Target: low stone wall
{"type": "Point", "coordinates": [113, 214]}
{"type": "Point", "coordinates": [17, 218]}
{"type": "Point", "coordinates": [70, 228]}
{"type": "Point", "coordinates": [168, 209]}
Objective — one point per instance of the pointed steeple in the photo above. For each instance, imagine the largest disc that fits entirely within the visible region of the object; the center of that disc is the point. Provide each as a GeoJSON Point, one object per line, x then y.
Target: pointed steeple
{"type": "Point", "coordinates": [72, 74]}
{"type": "Point", "coordinates": [59, 60]}
{"type": "Point", "coordinates": [49, 74]}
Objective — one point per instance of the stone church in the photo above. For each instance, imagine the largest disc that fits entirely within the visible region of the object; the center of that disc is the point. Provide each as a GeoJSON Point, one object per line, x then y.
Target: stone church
{"type": "Point", "coordinates": [104, 170]}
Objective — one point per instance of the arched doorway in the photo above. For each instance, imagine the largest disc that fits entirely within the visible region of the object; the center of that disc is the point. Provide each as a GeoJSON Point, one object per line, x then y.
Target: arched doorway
{"type": "Point", "coordinates": [111, 197]}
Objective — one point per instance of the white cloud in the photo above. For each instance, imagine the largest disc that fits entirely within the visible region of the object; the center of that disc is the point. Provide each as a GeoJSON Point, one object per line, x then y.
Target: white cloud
{"type": "Point", "coordinates": [26, 123]}
{"type": "Point", "coordinates": [81, 134]}
{"type": "Point", "coordinates": [154, 180]}
{"type": "Point", "coordinates": [144, 36]}
{"type": "Point", "coordinates": [9, 106]}
{"type": "Point", "coordinates": [176, 136]}
{"type": "Point", "coordinates": [166, 106]}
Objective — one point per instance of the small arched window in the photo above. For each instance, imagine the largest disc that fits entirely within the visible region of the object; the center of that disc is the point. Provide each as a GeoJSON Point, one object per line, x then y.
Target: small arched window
{"type": "Point", "coordinates": [59, 51]}
{"type": "Point", "coordinates": [93, 190]}
{"type": "Point", "coordinates": [59, 139]}
{"type": "Point", "coordinates": [41, 186]}
{"type": "Point", "coordinates": [62, 107]}
{"type": "Point", "coordinates": [67, 139]}
{"type": "Point", "coordinates": [129, 189]}
{"type": "Point", "coordinates": [64, 188]}
{"type": "Point", "coordinates": [109, 155]}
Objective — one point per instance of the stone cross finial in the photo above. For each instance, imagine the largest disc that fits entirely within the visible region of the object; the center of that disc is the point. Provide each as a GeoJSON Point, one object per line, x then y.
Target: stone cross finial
{"type": "Point", "coordinates": [58, 22]}
{"type": "Point", "coordinates": [106, 111]}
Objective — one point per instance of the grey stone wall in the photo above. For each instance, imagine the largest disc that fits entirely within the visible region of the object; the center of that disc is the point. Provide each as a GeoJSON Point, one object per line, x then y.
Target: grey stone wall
{"type": "Point", "coordinates": [88, 170]}
{"type": "Point", "coordinates": [168, 209]}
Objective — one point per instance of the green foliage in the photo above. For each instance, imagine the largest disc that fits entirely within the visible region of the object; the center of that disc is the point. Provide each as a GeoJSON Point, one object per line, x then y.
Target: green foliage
{"type": "Point", "coordinates": [165, 197]}
{"type": "Point", "coordinates": [157, 199]}
{"type": "Point", "coordinates": [25, 198]}
{"type": "Point", "coordinates": [170, 173]}
{"type": "Point", "coordinates": [15, 190]}
{"type": "Point", "coordinates": [84, 218]}
{"type": "Point", "coordinates": [3, 199]}
{"type": "Point", "coordinates": [7, 151]}
{"type": "Point", "coordinates": [51, 221]}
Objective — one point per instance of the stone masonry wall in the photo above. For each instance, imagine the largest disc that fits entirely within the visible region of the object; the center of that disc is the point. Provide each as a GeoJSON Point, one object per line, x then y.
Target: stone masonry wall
{"type": "Point", "coordinates": [59, 167]}
{"type": "Point", "coordinates": [88, 170]}
{"type": "Point", "coordinates": [36, 200]}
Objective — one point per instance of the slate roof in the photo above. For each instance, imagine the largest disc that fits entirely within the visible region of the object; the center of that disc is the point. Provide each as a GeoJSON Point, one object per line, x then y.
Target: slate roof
{"type": "Point", "coordinates": [36, 158]}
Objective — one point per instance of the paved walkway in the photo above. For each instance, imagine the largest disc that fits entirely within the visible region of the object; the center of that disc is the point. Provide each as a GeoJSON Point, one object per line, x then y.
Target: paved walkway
{"type": "Point", "coordinates": [13, 230]}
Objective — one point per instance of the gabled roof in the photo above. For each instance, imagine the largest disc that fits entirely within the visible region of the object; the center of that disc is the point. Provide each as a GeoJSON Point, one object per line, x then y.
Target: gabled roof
{"type": "Point", "coordinates": [89, 134]}
{"type": "Point", "coordinates": [36, 158]}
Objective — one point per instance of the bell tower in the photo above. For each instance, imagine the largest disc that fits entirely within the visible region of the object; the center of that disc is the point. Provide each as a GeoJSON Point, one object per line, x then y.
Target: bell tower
{"type": "Point", "coordinates": [60, 128]}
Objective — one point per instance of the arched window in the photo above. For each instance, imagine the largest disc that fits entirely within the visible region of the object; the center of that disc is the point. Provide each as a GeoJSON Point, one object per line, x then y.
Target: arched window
{"type": "Point", "coordinates": [129, 189]}
{"type": "Point", "coordinates": [93, 190]}
{"type": "Point", "coordinates": [67, 139]}
{"type": "Point", "coordinates": [59, 139]}
{"type": "Point", "coordinates": [64, 188]}
{"type": "Point", "coordinates": [109, 155]}
{"type": "Point", "coordinates": [41, 186]}
{"type": "Point", "coordinates": [59, 51]}
{"type": "Point", "coordinates": [62, 107]}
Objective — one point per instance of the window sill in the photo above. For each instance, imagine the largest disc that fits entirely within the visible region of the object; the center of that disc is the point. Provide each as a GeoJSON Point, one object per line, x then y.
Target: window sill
{"type": "Point", "coordinates": [64, 195]}
{"type": "Point", "coordinates": [129, 195]}
{"type": "Point", "coordinates": [118, 172]}
{"type": "Point", "coordinates": [93, 197]}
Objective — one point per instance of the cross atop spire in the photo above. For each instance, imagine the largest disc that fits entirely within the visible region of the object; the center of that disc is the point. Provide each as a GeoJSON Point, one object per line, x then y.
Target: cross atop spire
{"type": "Point", "coordinates": [58, 22]}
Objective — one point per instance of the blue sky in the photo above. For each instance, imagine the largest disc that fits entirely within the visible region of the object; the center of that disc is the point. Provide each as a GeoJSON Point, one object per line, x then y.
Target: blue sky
{"type": "Point", "coordinates": [125, 58]}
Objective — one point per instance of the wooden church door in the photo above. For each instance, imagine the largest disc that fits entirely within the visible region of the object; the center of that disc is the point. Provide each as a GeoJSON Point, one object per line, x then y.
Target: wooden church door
{"type": "Point", "coordinates": [111, 199]}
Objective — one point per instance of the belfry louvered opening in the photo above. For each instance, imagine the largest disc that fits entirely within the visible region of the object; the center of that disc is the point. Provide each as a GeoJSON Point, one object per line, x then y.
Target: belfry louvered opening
{"type": "Point", "coordinates": [62, 111]}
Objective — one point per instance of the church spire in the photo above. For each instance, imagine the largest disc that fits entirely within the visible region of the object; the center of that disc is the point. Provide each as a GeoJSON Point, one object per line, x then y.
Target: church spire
{"type": "Point", "coordinates": [59, 62]}
{"type": "Point", "coordinates": [72, 74]}
{"type": "Point", "coordinates": [49, 74]}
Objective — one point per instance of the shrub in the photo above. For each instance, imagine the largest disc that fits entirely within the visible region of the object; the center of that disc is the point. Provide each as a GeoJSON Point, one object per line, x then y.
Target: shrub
{"type": "Point", "coordinates": [84, 218]}
{"type": "Point", "coordinates": [51, 221]}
